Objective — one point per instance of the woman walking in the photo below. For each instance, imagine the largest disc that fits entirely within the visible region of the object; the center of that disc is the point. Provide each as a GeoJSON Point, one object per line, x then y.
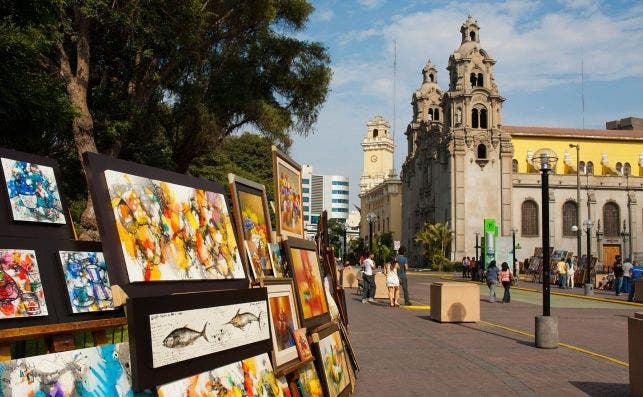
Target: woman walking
{"type": "Point", "coordinates": [492, 280]}
{"type": "Point", "coordinates": [570, 273]}
{"type": "Point", "coordinates": [505, 279]}
{"type": "Point", "coordinates": [392, 282]}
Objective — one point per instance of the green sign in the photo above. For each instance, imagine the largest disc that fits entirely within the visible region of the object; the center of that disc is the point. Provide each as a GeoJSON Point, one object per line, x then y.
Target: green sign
{"type": "Point", "coordinates": [489, 241]}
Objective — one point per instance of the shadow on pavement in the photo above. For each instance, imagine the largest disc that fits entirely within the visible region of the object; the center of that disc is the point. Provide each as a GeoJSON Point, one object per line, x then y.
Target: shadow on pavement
{"type": "Point", "coordinates": [597, 389]}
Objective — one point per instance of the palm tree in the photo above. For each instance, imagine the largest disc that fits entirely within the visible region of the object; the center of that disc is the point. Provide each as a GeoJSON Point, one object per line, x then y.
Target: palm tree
{"type": "Point", "coordinates": [435, 239]}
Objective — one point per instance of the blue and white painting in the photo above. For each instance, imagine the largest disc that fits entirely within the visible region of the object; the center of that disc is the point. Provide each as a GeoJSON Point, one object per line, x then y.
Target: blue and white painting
{"type": "Point", "coordinates": [33, 192]}
{"type": "Point", "coordinates": [87, 281]}
{"type": "Point", "coordinates": [96, 371]}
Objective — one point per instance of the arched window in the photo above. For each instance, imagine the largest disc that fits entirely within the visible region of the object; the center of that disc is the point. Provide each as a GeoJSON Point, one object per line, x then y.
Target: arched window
{"type": "Point", "coordinates": [529, 218]}
{"type": "Point", "coordinates": [474, 118]}
{"type": "Point", "coordinates": [514, 166]}
{"type": "Point", "coordinates": [480, 80]}
{"type": "Point", "coordinates": [570, 214]}
{"type": "Point", "coordinates": [473, 80]}
{"type": "Point", "coordinates": [430, 114]}
{"type": "Point", "coordinates": [619, 167]}
{"type": "Point", "coordinates": [590, 168]}
{"type": "Point", "coordinates": [472, 35]}
{"type": "Point", "coordinates": [627, 169]}
{"type": "Point", "coordinates": [581, 167]}
{"type": "Point", "coordinates": [482, 151]}
{"type": "Point", "coordinates": [436, 114]}
{"type": "Point", "coordinates": [611, 219]}
{"type": "Point", "coordinates": [375, 132]}
{"type": "Point", "coordinates": [431, 78]}
{"type": "Point", "coordinates": [483, 118]}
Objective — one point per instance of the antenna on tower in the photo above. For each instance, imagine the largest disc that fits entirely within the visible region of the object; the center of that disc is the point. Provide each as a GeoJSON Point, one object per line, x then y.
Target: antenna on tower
{"type": "Point", "coordinates": [394, 96]}
{"type": "Point", "coordinates": [582, 86]}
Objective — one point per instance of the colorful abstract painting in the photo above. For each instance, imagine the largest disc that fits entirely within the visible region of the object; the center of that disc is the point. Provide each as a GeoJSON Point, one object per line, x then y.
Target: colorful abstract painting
{"type": "Point", "coordinates": [96, 371]}
{"type": "Point", "coordinates": [250, 377]}
{"type": "Point", "coordinates": [87, 281]}
{"type": "Point", "coordinates": [172, 232]}
{"type": "Point", "coordinates": [183, 335]}
{"type": "Point", "coordinates": [256, 232]}
{"type": "Point", "coordinates": [288, 196]}
{"type": "Point", "coordinates": [21, 293]}
{"type": "Point", "coordinates": [333, 359]}
{"type": "Point", "coordinates": [308, 382]}
{"type": "Point", "coordinates": [305, 269]}
{"type": "Point", "coordinates": [33, 192]}
{"type": "Point", "coordinates": [278, 260]}
{"type": "Point", "coordinates": [283, 317]}
{"type": "Point", "coordinates": [303, 347]}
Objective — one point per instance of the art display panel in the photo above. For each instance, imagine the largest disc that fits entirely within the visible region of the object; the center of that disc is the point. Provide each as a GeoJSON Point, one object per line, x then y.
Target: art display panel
{"type": "Point", "coordinates": [250, 377]}
{"type": "Point", "coordinates": [288, 194]}
{"type": "Point", "coordinates": [21, 291]}
{"type": "Point", "coordinates": [308, 381]}
{"type": "Point", "coordinates": [87, 281]}
{"type": "Point", "coordinates": [304, 266]}
{"type": "Point", "coordinates": [33, 192]}
{"type": "Point", "coordinates": [172, 232]}
{"type": "Point", "coordinates": [96, 371]}
{"type": "Point", "coordinates": [253, 223]}
{"type": "Point", "coordinates": [332, 363]}
{"type": "Point", "coordinates": [284, 321]}
{"type": "Point", "coordinates": [183, 335]}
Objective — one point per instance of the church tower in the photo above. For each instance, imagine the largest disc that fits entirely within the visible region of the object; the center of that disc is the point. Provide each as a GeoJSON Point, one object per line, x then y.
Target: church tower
{"type": "Point", "coordinates": [378, 147]}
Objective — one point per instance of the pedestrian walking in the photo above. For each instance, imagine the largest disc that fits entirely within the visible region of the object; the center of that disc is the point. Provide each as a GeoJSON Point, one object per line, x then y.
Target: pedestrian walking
{"type": "Point", "coordinates": [562, 274]}
{"type": "Point", "coordinates": [465, 267]}
{"type": "Point", "coordinates": [627, 275]}
{"type": "Point", "coordinates": [403, 267]}
{"type": "Point", "coordinates": [492, 280]}
{"type": "Point", "coordinates": [392, 282]}
{"type": "Point", "coordinates": [618, 275]}
{"type": "Point", "coordinates": [570, 273]}
{"type": "Point", "coordinates": [635, 274]}
{"type": "Point", "coordinates": [505, 279]}
{"type": "Point", "coordinates": [368, 277]}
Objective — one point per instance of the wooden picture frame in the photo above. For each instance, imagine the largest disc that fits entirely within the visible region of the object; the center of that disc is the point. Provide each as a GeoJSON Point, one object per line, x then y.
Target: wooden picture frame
{"type": "Point", "coordinates": [305, 271]}
{"type": "Point", "coordinates": [330, 355]}
{"type": "Point", "coordinates": [284, 319]}
{"type": "Point", "coordinates": [288, 195]}
{"type": "Point", "coordinates": [232, 325]}
{"type": "Point", "coordinates": [252, 218]}
{"type": "Point", "coordinates": [163, 232]}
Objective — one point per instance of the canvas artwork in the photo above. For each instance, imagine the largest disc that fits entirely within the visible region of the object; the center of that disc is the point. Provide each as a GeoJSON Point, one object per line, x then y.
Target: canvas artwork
{"type": "Point", "coordinates": [308, 382]}
{"type": "Point", "coordinates": [250, 377]}
{"type": "Point", "coordinates": [305, 269]}
{"type": "Point", "coordinates": [96, 371]}
{"type": "Point", "coordinates": [283, 317]}
{"type": "Point", "coordinates": [87, 281]}
{"type": "Point", "coordinates": [256, 232]}
{"type": "Point", "coordinates": [172, 232]}
{"type": "Point", "coordinates": [183, 335]}
{"type": "Point", "coordinates": [278, 260]}
{"type": "Point", "coordinates": [303, 347]}
{"type": "Point", "coordinates": [288, 195]}
{"type": "Point", "coordinates": [21, 293]}
{"type": "Point", "coordinates": [33, 192]}
{"type": "Point", "coordinates": [333, 360]}
{"type": "Point", "coordinates": [283, 385]}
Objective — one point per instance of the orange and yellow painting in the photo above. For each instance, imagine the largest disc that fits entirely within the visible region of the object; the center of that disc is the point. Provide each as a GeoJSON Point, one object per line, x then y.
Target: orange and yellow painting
{"type": "Point", "coordinates": [172, 232]}
{"type": "Point", "coordinates": [310, 289]}
{"type": "Point", "coordinates": [334, 363]}
{"type": "Point", "coordinates": [282, 321]}
{"type": "Point", "coordinates": [291, 221]}
{"type": "Point", "coordinates": [255, 232]}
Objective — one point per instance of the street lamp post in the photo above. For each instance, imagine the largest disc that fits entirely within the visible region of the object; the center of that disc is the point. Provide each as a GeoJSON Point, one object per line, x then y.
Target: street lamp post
{"type": "Point", "coordinates": [625, 236]}
{"type": "Point", "coordinates": [587, 224]}
{"type": "Point", "coordinates": [546, 325]}
{"type": "Point", "coordinates": [474, 276]}
{"type": "Point", "coordinates": [370, 218]}
{"type": "Point", "coordinates": [578, 232]}
{"type": "Point", "coordinates": [513, 251]}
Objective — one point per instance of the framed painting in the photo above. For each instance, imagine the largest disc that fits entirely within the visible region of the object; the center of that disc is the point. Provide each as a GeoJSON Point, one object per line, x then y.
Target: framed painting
{"type": "Point", "coordinates": [95, 371]}
{"type": "Point", "coordinates": [278, 259]}
{"type": "Point", "coordinates": [253, 224]}
{"type": "Point", "coordinates": [87, 281]}
{"type": "Point", "coordinates": [332, 363]}
{"type": "Point", "coordinates": [305, 271]}
{"type": "Point", "coordinates": [252, 376]}
{"type": "Point", "coordinates": [303, 347]}
{"type": "Point", "coordinates": [161, 229]}
{"type": "Point", "coordinates": [175, 336]}
{"type": "Point", "coordinates": [288, 195]}
{"type": "Point", "coordinates": [21, 290]}
{"type": "Point", "coordinates": [284, 321]}
{"type": "Point", "coordinates": [308, 383]}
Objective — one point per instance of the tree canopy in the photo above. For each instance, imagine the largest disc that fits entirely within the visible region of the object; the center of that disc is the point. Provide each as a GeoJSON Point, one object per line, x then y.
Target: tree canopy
{"type": "Point", "coordinates": [436, 241]}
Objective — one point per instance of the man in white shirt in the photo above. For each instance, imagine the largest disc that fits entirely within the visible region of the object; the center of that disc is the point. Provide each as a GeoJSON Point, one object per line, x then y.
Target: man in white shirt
{"type": "Point", "coordinates": [368, 291]}
{"type": "Point", "coordinates": [627, 275]}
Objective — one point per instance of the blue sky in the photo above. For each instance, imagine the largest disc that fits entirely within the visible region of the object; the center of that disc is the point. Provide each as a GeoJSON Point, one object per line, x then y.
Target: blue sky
{"type": "Point", "coordinates": [537, 46]}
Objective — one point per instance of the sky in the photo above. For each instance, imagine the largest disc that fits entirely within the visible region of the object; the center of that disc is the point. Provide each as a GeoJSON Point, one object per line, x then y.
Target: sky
{"type": "Point", "coordinates": [540, 48]}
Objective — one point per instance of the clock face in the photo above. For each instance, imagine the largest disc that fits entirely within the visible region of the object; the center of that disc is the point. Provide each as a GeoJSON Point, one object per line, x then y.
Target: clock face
{"type": "Point", "coordinates": [373, 158]}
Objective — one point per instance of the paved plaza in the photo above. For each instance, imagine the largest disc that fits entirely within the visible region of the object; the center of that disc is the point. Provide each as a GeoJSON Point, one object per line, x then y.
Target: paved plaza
{"type": "Point", "coordinates": [403, 353]}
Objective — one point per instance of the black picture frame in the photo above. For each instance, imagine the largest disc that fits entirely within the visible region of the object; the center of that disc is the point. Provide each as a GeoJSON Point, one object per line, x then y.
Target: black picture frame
{"type": "Point", "coordinates": [308, 321]}
{"type": "Point", "coordinates": [95, 167]}
{"type": "Point", "coordinates": [319, 361]}
{"type": "Point", "coordinates": [144, 376]}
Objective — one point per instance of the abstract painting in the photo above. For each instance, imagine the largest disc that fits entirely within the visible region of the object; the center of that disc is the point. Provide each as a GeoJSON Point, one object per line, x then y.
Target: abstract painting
{"type": "Point", "coordinates": [21, 293]}
{"type": "Point", "coordinates": [308, 382]}
{"type": "Point", "coordinates": [305, 270]}
{"type": "Point", "coordinates": [96, 371]}
{"type": "Point", "coordinates": [87, 281]}
{"type": "Point", "coordinates": [333, 360]}
{"type": "Point", "coordinates": [278, 260]}
{"type": "Point", "coordinates": [283, 385]}
{"type": "Point", "coordinates": [172, 232]}
{"type": "Point", "coordinates": [284, 321]}
{"type": "Point", "coordinates": [287, 176]}
{"type": "Point", "coordinates": [250, 377]}
{"type": "Point", "coordinates": [184, 335]}
{"type": "Point", "coordinates": [33, 192]}
{"type": "Point", "coordinates": [303, 347]}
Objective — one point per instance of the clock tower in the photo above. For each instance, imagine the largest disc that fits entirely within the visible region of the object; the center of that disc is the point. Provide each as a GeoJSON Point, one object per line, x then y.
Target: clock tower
{"type": "Point", "coordinates": [377, 146]}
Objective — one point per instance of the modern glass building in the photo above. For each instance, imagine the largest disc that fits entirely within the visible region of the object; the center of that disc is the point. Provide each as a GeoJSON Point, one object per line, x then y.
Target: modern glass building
{"type": "Point", "coordinates": [323, 192]}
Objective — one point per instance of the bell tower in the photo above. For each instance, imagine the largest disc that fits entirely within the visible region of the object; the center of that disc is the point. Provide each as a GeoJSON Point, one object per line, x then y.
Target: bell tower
{"type": "Point", "coordinates": [378, 147]}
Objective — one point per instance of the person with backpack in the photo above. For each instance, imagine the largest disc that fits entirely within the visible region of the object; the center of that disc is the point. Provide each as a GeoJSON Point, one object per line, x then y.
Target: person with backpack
{"type": "Point", "coordinates": [492, 280]}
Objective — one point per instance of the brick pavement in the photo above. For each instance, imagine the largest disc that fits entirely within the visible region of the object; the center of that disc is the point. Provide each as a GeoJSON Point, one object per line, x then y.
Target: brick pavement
{"type": "Point", "coordinates": [403, 353]}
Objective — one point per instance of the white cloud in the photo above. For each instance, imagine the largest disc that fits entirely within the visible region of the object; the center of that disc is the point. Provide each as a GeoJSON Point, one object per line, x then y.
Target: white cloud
{"type": "Point", "coordinates": [371, 4]}
{"type": "Point", "coordinates": [325, 15]}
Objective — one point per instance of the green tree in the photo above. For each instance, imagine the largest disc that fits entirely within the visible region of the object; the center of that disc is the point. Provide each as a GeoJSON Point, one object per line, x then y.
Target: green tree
{"type": "Point", "coordinates": [336, 235]}
{"type": "Point", "coordinates": [383, 247]}
{"type": "Point", "coordinates": [436, 240]}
